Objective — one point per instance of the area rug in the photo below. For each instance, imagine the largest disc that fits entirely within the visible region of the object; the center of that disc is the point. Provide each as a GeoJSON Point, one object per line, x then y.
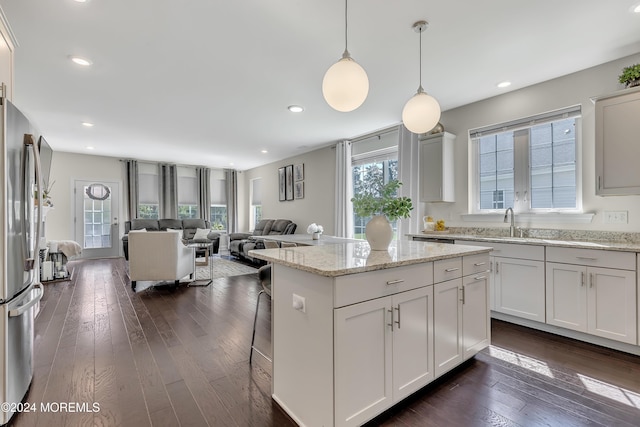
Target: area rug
{"type": "Point", "coordinates": [223, 268]}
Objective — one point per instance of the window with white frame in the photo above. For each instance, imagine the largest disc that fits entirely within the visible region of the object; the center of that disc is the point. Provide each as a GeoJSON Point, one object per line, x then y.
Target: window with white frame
{"type": "Point", "coordinates": [529, 165]}
{"type": "Point", "coordinates": [218, 208]}
{"type": "Point", "coordinates": [148, 191]}
{"type": "Point", "coordinates": [256, 201]}
{"type": "Point", "coordinates": [374, 161]}
{"type": "Point", "coordinates": [187, 193]}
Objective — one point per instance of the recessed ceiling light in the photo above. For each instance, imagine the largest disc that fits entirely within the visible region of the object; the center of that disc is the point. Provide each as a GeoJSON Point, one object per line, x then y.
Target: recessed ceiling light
{"type": "Point", "coordinates": [81, 61]}
{"type": "Point", "coordinates": [264, 151]}
{"type": "Point", "coordinates": [502, 85]}
{"type": "Point", "coordinates": [87, 124]}
{"type": "Point", "coordinates": [295, 108]}
{"type": "Point", "coordinates": [81, 1]}
{"type": "Point", "coordinates": [89, 147]}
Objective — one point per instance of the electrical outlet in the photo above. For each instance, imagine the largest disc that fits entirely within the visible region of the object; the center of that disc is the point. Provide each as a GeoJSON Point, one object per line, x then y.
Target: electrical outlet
{"type": "Point", "coordinates": [616, 217]}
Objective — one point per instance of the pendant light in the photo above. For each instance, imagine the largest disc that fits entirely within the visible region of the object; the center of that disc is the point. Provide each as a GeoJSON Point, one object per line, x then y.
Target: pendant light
{"type": "Point", "coordinates": [422, 112]}
{"type": "Point", "coordinates": [345, 85]}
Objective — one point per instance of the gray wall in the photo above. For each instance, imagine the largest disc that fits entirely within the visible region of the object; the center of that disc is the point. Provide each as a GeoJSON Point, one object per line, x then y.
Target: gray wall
{"type": "Point", "coordinates": [319, 189]}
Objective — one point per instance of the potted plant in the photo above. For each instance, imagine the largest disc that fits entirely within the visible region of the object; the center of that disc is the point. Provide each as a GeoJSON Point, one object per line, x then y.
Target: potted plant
{"type": "Point", "coordinates": [630, 76]}
{"type": "Point", "coordinates": [382, 202]}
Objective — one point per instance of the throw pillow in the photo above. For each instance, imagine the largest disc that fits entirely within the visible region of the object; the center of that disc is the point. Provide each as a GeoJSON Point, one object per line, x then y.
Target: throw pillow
{"type": "Point", "coordinates": [201, 234]}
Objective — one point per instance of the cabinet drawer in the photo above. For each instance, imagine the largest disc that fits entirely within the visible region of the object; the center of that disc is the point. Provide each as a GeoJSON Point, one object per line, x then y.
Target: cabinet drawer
{"type": "Point", "coordinates": [447, 269]}
{"type": "Point", "coordinates": [592, 257]}
{"type": "Point", "coordinates": [354, 288]}
{"type": "Point", "coordinates": [511, 250]}
{"type": "Point", "coordinates": [472, 264]}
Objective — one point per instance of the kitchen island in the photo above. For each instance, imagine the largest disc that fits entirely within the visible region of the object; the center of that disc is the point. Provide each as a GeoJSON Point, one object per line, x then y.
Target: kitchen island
{"type": "Point", "coordinates": [355, 331]}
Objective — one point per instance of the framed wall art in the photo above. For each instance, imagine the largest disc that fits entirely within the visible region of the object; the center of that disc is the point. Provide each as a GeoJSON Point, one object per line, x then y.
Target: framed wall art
{"type": "Point", "coordinates": [282, 185]}
{"type": "Point", "coordinates": [298, 172]}
{"type": "Point", "coordinates": [289, 182]}
{"type": "Point", "coordinates": [299, 190]}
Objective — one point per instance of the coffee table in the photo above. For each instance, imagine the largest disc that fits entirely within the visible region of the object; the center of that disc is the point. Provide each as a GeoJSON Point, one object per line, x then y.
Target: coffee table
{"type": "Point", "coordinates": [208, 250]}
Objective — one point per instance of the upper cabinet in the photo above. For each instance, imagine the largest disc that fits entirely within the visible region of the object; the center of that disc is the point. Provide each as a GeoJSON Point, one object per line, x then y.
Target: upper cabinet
{"type": "Point", "coordinates": [618, 143]}
{"type": "Point", "coordinates": [436, 168]}
{"type": "Point", "coordinates": [7, 45]}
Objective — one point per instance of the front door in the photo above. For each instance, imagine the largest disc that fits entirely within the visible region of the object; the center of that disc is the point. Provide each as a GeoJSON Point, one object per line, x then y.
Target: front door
{"type": "Point", "coordinates": [96, 222]}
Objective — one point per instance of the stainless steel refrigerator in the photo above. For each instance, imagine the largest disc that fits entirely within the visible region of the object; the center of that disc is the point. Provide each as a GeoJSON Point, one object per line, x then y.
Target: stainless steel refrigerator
{"type": "Point", "coordinates": [20, 290]}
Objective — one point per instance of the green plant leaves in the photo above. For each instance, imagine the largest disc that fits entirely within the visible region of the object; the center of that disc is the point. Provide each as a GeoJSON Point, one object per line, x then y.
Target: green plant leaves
{"type": "Point", "coordinates": [382, 199]}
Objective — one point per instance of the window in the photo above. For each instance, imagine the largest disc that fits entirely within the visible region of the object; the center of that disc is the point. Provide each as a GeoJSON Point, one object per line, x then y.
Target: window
{"type": "Point", "coordinates": [528, 165]}
{"type": "Point", "coordinates": [218, 208]}
{"type": "Point", "coordinates": [256, 201]}
{"type": "Point", "coordinates": [148, 191]}
{"type": "Point", "coordinates": [374, 161]}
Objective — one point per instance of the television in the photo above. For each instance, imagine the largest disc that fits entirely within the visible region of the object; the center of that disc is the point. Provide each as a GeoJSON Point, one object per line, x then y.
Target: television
{"type": "Point", "coordinates": [46, 155]}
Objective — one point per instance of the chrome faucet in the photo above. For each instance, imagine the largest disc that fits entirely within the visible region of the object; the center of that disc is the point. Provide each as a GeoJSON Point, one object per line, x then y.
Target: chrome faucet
{"type": "Point", "coordinates": [512, 228]}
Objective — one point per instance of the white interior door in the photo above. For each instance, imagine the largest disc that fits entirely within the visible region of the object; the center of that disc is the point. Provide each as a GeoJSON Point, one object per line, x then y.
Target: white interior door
{"type": "Point", "coordinates": [96, 218]}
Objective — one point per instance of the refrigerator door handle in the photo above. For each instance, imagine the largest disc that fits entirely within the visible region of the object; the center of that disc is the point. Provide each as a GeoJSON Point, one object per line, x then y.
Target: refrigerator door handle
{"type": "Point", "coordinates": [29, 261]}
{"type": "Point", "coordinates": [23, 308]}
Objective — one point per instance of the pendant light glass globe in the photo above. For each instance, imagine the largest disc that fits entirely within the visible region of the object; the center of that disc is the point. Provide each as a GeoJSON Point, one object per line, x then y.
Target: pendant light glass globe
{"type": "Point", "coordinates": [421, 113]}
{"type": "Point", "coordinates": [345, 85]}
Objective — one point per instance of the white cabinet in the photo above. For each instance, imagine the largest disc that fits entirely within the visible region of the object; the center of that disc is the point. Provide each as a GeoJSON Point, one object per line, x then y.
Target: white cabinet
{"type": "Point", "coordinates": [617, 150]}
{"type": "Point", "coordinates": [384, 351]}
{"type": "Point", "coordinates": [517, 280]}
{"type": "Point", "coordinates": [597, 300]}
{"type": "Point", "coordinates": [519, 287]}
{"type": "Point", "coordinates": [461, 318]}
{"type": "Point", "coordinates": [436, 168]}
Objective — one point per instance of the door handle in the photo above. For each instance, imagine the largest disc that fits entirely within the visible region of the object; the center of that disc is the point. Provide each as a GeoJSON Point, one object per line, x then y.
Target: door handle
{"type": "Point", "coordinates": [398, 321]}
{"type": "Point", "coordinates": [591, 280]}
{"type": "Point", "coordinates": [449, 270]}
{"type": "Point", "coordinates": [23, 308]}
{"type": "Point", "coordinates": [582, 279]}
{"type": "Point", "coordinates": [462, 299]}
{"type": "Point", "coordinates": [391, 324]}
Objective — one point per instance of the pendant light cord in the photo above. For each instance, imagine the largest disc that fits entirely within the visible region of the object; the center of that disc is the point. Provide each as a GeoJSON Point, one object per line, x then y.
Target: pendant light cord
{"type": "Point", "coordinates": [346, 33]}
{"type": "Point", "coordinates": [420, 65]}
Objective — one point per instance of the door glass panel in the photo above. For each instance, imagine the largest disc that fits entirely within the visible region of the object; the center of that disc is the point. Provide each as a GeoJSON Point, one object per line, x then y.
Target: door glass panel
{"type": "Point", "coordinates": [97, 216]}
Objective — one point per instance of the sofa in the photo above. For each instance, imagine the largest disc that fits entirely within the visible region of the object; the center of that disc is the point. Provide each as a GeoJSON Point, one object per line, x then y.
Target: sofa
{"type": "Point", "coordinates": [188, 227]}
{"type": "Point", "coordinates": [241, 243]}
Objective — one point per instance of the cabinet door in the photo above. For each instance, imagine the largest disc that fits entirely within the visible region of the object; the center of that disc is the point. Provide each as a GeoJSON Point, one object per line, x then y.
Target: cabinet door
{"type": "Point", "coordinates": [617, 150]}
{"type": "Point", "coordinates": [519, 288]}
{"type": "Point", "coordinates": [436, 168]}
{"type": "Point", "coordinates": [567, 296]}
{"type": "Point", "coordinates": [447, 324]}
{"type": "Point", "coordinates": [362, 354]}
{"type": "Point", "coordinates": [476, 326]}
{"type": "Point", "coordinates": [612, 304]}
{"type": "Point", "coordinates": [412, 341]}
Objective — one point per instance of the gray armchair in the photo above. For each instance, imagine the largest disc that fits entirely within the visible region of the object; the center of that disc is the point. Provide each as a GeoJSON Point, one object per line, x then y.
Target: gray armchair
{"type": "Point", "coordinates": [241, 243]}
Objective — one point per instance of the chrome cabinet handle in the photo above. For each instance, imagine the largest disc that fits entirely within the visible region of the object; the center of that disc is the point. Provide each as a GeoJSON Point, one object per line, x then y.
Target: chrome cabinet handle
{"type": "Point", "coordinates": [591, 280]}
{"type": "Point", "coordinates": [394, 282]}
{"type": "Point", "coordinates": [398, 321]}
{"type": "Point", "coordinates": [478, 264]}
{"type": "Point", "coordinates": [479, 278]}
{"type": "Point", "coordinates": [391, 324]}
{"type": "Point", "coordinates": [582, 279]}
{"type": "Point", "coordinates": [462, 299]}
{"type": "Point", "coordinates": [449, 270]}
{"type": "Point", "coordinates": [497, 267]}
{"type": "Point", "coordinates": [586, 258]}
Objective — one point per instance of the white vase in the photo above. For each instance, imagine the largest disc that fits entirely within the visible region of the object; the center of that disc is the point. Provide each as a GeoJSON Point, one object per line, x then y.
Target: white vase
{"type": "Point", "coordinates": [316, 236]}
{"type": "Point", "coordinates": [379, 233]}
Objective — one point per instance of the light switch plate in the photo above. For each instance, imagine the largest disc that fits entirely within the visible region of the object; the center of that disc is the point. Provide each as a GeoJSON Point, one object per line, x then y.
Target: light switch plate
{"type": "Point", "coordinates": [616, 217]}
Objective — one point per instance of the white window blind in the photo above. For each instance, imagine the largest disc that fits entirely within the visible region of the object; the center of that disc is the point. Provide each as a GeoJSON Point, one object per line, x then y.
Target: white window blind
{"type": "Point", "coordinates": [187, 186]}
{"type": "Point", "coordinates": [256, 191]}
{"type": "Point", "coordinates": [148, 190]}
{"type": "Point", "coordinates": [375, 148]}
{"type": "Point", "coordinates": [217, 183]}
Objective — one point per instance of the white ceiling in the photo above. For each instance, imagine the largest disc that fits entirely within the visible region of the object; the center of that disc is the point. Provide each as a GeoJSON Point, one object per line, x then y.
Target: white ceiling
{"type": "Point", "coordinates": [207, 82]}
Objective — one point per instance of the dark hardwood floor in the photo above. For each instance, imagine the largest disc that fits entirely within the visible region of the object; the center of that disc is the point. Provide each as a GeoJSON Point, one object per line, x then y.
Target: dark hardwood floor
{"type": "Point", "coordinates": [180, 358]}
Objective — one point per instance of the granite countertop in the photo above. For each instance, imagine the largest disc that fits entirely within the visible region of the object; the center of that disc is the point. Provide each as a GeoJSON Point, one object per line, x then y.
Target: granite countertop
{"type": "Point", "coordinates": [306, 239]}
{"type": "Point", "coordinates": [355, 257]}
{"type": "Point", "coordinates": [596, 243]}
